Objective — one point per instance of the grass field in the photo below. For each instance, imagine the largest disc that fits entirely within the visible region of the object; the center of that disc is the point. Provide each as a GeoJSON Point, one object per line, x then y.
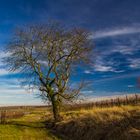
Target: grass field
{"type": "Point", "coordinates": [96, 123]}
{"type": "Point", "coordinates": [28, 127]}
{"type": "Point", "coordinates": [107, 123]}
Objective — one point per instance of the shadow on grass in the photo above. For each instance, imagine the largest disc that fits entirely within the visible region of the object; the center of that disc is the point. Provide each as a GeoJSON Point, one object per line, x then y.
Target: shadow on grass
{"type": "Point", "coordinates": [38, 125]}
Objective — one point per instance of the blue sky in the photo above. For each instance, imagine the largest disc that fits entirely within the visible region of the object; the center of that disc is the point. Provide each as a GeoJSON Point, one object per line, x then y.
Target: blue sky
{"type": "Point", "coordinates": [115, 25]}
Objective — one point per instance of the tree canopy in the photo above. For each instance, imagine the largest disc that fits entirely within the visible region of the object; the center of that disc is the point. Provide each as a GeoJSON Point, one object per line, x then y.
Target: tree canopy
{"type": "Point", "coordinates": [48, 54]}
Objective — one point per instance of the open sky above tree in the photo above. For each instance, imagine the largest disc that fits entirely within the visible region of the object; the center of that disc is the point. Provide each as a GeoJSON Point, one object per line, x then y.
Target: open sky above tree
{"type": "Point", "coordinates": [116, 33]}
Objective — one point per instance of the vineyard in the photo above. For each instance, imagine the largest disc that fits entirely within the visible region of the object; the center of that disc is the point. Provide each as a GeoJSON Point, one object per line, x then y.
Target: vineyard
{"type": "Point", "coordinates": [110, 102]}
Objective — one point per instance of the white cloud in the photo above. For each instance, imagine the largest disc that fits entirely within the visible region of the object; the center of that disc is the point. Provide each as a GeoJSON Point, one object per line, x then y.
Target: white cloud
{"type": "Point", "coordinates": [102, 68]}
{"type": "Point", "coordinates": [124, 49]}
{"type": "Point", "coordinates": [119, 71]}
{"type": "Point", "coordinates": [122, 76]}
{"type": "Point", "coordinates": [88, 72]}
{"type": "Point", "coordinates": [6, 72]}
{"type": "Point", "coordinates": [13, 94]}
{"type": "Point", "coordinates": [115, 32]}
{"type": "Point", "coordinates": [3, 72]}
{"type": "Point", "coordinates": [12, 91]}
{"type": "Point", "coordinates": [87, 91]}
{"type": "Point", "coordinates": [134, 63]}
{"type": "Point", "coordinates": [130, 86]}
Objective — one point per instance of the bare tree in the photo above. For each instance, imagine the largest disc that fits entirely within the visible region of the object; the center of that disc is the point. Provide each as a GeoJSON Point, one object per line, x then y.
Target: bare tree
{"type": "Point", "coordinates": [47, 55]}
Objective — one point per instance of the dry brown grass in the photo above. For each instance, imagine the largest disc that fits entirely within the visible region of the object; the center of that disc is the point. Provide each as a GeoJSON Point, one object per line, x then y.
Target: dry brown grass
{"type": "Point", "coordinates": [112, 123]}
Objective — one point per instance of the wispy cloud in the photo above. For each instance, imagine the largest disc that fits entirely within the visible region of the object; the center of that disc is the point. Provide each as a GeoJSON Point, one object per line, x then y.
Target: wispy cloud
{"type": "Point", "coordinates": [125, 50]}
{"type": "Point", "coordinates": [119, 54]}
{"type": "Point", "coordinates": [122, 76]}
{"type": "Point", "coordinates": [102, 68]}
{"type": "Point", "coordinates": [115, 32]}
{"type": "Point", "coordinates": [134, 63]}
{"type": "Point", "coordinates": [101, 65]}
{"type": "Point", "coordinates": [88, 72]}
{"type": "Point", "coordinates": [130, 86]}
{"type": "Point", "coordinates": [3, 70]}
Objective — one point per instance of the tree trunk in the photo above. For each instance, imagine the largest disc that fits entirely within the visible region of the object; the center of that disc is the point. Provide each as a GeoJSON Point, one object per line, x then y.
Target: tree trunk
{"type": "Point", "coordinates": [56, 111]}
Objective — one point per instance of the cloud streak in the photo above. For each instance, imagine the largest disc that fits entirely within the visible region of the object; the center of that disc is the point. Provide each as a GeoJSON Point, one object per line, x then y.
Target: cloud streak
{"type": "Point", "coordinates": [116, 77]}
{"type": "Point", "coordinates": [134, 63]}
{"type": "Point", "coordinates": [115, 32]}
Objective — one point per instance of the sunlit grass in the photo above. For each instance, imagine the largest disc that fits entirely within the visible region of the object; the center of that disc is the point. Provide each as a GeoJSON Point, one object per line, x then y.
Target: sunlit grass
{"type": "Point", "coordinates": [98, 111]}
{"type": "Point", "coordinates": [111, 123]}
{"type": "Point", "coordinates": [29, 127]}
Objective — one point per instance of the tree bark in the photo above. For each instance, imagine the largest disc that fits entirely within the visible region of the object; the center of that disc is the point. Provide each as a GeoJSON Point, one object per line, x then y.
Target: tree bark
{"type": "Point", "coordinates": [56, 110]}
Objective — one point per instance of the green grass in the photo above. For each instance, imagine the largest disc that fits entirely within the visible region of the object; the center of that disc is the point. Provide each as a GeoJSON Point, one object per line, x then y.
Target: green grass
{"type": "Point", "coordinates": [16, 132]}
{"type": "Point", "coordinates": [29, 127]}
